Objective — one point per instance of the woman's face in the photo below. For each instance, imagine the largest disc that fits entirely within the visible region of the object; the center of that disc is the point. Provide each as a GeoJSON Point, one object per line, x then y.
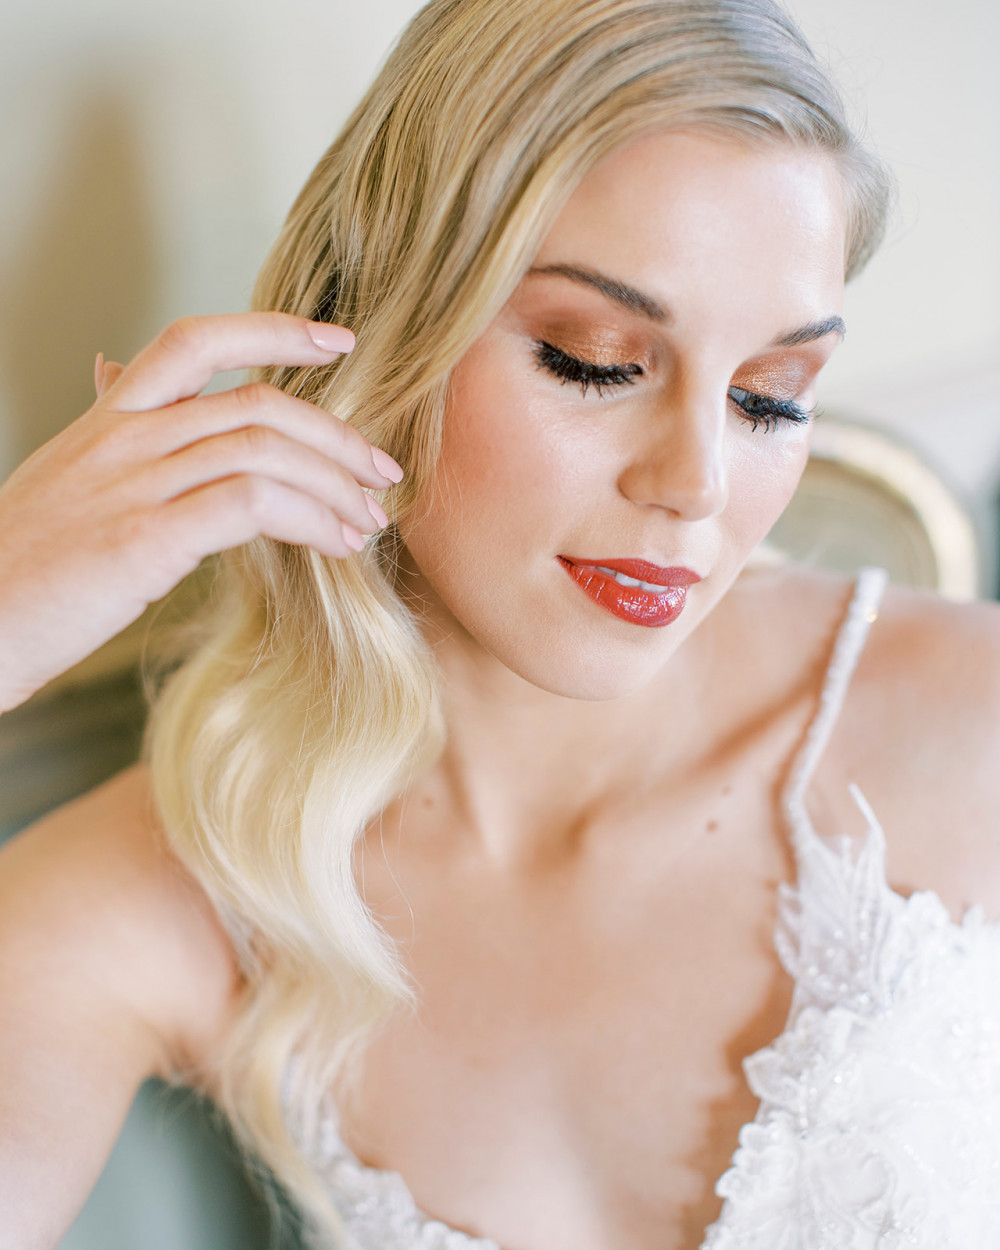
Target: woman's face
{"type": "Point", "coordinates": [643, 396]}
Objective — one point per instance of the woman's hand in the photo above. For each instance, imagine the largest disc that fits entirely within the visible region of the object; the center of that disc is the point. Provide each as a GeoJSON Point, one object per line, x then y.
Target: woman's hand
{"type": "Point", "coordinates": [112, 513]}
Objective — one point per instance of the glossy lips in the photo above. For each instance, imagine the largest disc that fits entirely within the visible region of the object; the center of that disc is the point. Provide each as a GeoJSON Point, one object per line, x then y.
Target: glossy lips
{"type": "Point", "coordinates": [633, 603]}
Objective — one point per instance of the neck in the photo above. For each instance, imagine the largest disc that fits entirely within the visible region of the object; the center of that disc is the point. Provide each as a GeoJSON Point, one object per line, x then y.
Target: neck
{"type": "Point", "coordinates": [527, 774]}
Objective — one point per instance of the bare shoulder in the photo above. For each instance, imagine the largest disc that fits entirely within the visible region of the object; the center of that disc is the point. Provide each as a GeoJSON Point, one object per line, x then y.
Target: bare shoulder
{"type": "Point", "coordinates": [922, 731]}
{"type": "Point", "coordinates": [90, 895]}
{"type": "Point", "coordinates": [919, 732]}
{"type": "Point", "coordinates": [921, 646]}
{"type": "Point", "coordinates": [928, 688]}
{"type": "Point", "coordinates": [923, 638]}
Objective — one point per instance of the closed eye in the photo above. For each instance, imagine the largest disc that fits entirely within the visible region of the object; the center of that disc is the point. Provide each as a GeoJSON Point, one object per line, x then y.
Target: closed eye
{"type": "Point", "coordinates": [766, 410]}
{"type": "Point", "coordinates": [584, 372]}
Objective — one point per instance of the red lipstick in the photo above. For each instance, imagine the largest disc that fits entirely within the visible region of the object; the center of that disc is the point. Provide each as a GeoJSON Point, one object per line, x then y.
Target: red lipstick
{"type": "Point", "coordinates": [637, 604]}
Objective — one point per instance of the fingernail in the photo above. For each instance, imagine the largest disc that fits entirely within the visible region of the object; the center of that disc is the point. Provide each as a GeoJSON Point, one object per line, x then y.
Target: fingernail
{"type": "Point", "coordinates": [330, 338]}
{"type": "Point", "coordinates": [386, 465]}
{"type": "Point", "coordinates": [99, 372]}
{"type": "Point", "coordinates": [378, 514]}
{"type": "Point", "coordinates": [353, 537]}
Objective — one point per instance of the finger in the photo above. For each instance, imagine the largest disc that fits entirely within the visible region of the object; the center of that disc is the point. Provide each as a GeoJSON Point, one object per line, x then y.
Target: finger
{"type": "Point", "coordinates": [99, 373]}
{"type": "Point", "coordinates": [259, 451]}
{"type": "Point", "coordinates": [167, 431]}
{"type": "Point", "coordinates": [182, 360]}
{"type": "Point", "coordinates": [238, 509]}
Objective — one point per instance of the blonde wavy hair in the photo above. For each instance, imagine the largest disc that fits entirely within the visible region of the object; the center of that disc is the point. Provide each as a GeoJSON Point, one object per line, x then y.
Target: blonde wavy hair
{"type": "Point", "coordinates": [307, 698]}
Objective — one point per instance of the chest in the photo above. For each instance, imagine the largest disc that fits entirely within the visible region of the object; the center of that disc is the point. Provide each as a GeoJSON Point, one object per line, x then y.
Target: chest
{"type": "Point", "coordinates": [572, 1075]}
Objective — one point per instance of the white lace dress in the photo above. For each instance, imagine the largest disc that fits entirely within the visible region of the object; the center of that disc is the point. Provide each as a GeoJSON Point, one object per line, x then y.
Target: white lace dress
{"type": "Point", "coordinates": [879, 1116]}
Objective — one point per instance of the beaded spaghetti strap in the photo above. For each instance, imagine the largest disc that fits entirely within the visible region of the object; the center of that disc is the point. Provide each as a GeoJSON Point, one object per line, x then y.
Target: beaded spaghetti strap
{"type": "Point", "coordinates": [861, 612]}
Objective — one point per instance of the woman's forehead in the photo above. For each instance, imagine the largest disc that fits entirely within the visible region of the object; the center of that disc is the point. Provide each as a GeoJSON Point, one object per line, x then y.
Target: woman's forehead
{"type": "Point", "coordinates": [667, 191]}
{"type": "Point", "coordinates": [677, 217]}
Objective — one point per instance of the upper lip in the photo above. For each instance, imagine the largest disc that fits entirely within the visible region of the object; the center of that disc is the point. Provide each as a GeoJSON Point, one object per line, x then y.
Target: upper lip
{"type": "Point", "coordinates": [643, 570]}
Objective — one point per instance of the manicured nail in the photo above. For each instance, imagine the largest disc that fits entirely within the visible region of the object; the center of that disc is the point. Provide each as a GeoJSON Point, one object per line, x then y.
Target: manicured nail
{"type": "Point", "coordinates": [330, 338]}
{"type": "Point", "coordinates": [386, 465]}
{"type": "Point", "coordinates": [375, 508]}
{"type": "Point", "coordinates": [99, 372]}
{"type": "Point", "coordinates": [353, 537]}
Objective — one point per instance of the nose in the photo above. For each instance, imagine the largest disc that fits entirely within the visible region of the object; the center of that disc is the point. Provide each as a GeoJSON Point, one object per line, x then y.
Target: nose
{"type": "Point", "coordinates": [678, 461]}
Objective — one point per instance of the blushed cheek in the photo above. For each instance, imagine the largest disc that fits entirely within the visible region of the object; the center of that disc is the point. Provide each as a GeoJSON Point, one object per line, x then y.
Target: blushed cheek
{"type": "Point", "coordinates": [501, 455]}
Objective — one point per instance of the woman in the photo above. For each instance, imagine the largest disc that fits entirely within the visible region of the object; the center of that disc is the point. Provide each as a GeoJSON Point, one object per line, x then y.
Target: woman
{"type": "Point", "coordinates": [456, 848]}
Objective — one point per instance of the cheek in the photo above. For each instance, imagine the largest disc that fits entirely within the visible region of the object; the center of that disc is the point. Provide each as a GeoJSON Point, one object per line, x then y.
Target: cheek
{"type": "Point", "coordinates": [764, 471]}
{"type": "Point", "coordinates": [493, 493]}
{"type": "Point", "coordinates": [502, 459]}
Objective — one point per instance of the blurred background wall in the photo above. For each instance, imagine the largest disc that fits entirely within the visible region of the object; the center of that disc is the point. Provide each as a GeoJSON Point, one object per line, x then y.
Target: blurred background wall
{"type": "Point", "coordinates": [149, 153]}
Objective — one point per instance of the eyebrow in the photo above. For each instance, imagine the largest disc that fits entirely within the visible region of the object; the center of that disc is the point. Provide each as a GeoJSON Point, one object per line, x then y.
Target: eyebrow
{"type": "Point", "coordinates": [638, 302]}
{"type": "Point", "coordinates": [635, 301]}
{"type": "Point", "coordinates": [809, 333]}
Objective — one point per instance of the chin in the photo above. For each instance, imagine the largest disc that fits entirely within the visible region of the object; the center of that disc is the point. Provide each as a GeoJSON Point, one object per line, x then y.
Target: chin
{"type": "Point", "coordinates": [585, 667]}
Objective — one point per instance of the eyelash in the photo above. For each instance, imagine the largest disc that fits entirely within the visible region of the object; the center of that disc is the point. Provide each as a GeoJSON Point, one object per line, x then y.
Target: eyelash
{"type": "Point", "coordinates": [760, 409]}
{"type": "Point", "coordinates": [767, 411]}
{"type": "Point", "coordinates": [584, 372]}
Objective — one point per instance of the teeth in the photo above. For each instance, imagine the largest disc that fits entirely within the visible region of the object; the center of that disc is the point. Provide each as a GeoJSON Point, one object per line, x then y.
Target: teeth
{"type": "Point", "coordinates": [624, 580]}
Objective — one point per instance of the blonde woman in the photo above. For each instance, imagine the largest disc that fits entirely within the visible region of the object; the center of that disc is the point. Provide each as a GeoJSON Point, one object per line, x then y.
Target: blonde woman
{"type": "Point", "coordinates": [497, 859]}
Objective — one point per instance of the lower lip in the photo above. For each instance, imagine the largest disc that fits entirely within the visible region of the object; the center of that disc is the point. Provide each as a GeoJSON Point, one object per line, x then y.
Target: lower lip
{"type": "Point", "coordinates": [629, 603]}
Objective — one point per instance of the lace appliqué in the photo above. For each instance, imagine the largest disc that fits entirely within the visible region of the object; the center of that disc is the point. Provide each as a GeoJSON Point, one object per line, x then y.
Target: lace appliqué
{"type": "Point", "coordinates": [879, 1119]}
{"type": "Point", "coordinates": [376, 1205]}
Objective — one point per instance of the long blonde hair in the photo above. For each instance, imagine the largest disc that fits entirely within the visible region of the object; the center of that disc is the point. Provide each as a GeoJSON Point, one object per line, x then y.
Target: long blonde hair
{"type": "Point", "coordinates": [307, 698]}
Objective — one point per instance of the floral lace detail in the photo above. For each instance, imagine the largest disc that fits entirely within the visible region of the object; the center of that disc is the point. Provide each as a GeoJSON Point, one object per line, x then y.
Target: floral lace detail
{"type": "Point", "coordinates": [376, 1205]}
{"type": "Point", "coordinates": [879, 1117]}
